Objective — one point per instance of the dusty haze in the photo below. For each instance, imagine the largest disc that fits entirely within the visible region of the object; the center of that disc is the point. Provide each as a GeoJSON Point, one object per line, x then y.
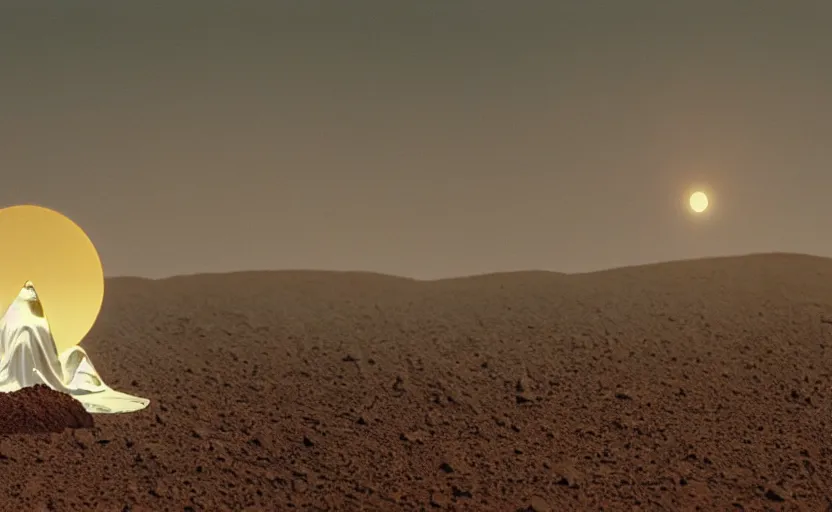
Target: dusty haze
{"type": "Point", "coordinates": [427, 140]}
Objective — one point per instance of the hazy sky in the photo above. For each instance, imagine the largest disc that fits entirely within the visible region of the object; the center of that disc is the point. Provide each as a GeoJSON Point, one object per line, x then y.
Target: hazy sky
{"type": "Point", "coordinates": [419, 138]}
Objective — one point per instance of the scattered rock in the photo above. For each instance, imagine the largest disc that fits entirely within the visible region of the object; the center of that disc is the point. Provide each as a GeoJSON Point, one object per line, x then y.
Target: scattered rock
{"type": "Point", "coordinates": [775, 494]}
{"type": "Point", "coordinates": [299, 485]}
{"type": "Point", "coordinates": [446, 468]}
{"type": "Point", "coordinates": [523, 398]}
{"type": "Point", "coordinates": [439, 500]}
{"type": "Point", "coordinates": [417, 436]}
{"type": "Point", "coordinates": [567, 476]}
{"type": "Point", "coordinates": [538, 504]}
{"type": "Point", "coordinates": [461, 493]}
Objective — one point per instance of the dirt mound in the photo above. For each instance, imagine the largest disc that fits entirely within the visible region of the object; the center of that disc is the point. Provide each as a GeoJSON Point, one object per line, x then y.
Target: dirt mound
{"type": "Point", "coordinates": [39, 409]}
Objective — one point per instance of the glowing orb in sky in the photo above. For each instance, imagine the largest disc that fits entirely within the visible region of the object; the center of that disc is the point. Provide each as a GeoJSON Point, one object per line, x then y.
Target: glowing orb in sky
{"type": "Point", "coordinates": [698, 202]}
{"type": "Point", "coordinates": [51, 251]}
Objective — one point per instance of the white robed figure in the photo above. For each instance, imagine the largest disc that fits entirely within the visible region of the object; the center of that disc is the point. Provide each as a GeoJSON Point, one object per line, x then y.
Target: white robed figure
{"type": "Point", "coordinates": [29, 356]}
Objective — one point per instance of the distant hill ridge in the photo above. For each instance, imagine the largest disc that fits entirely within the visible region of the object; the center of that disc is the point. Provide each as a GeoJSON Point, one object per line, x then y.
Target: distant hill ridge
{"type": "Point", "coordinates": [726, 262]}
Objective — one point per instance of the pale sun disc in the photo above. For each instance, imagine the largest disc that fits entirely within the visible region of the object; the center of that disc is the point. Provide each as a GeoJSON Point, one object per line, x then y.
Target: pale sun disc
{"type": "Point", "coordinates": [698, 202]}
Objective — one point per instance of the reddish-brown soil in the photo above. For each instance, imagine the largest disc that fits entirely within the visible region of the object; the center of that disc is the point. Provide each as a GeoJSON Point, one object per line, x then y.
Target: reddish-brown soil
{"type": "Point", "coordinates": [40, 410]}
{"type": "Point", "coordinates": [693, 385]}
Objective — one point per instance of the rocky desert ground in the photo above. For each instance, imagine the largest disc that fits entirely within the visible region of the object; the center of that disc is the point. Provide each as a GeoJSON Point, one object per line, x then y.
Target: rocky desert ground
{"type": "Point", "coordinates": [694, 385]}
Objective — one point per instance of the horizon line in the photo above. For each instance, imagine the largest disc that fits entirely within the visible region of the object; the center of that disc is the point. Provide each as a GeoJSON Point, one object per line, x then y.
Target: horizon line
{"type": "Point", "coordinates": [466, 276]}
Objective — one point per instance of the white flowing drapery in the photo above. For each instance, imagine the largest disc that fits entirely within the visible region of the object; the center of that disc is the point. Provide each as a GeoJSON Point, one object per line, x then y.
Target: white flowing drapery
{"type": "Point", "coordinates": [28, 356]}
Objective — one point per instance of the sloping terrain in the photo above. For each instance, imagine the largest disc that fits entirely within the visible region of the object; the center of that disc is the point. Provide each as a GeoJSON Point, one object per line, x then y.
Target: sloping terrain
{"type": "Point", "coordinates": [679, 386]}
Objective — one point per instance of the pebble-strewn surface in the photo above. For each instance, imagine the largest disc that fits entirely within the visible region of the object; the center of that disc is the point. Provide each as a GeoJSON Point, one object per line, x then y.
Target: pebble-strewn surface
{"type": "Point", "coordinates": [693, 385]}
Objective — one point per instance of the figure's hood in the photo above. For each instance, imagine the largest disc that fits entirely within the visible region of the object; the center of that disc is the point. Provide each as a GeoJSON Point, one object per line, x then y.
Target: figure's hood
{"type": "Point", "coordinates": [28, 292]}
{"type": "Point", "coordinates": [29, 295]}
{"type": "Point", "coordinates": [25, 310]}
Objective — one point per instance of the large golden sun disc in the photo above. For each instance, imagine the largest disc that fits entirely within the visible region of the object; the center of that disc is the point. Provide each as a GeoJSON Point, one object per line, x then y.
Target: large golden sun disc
{"type": "Point", "coordinates": [51, 251]}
